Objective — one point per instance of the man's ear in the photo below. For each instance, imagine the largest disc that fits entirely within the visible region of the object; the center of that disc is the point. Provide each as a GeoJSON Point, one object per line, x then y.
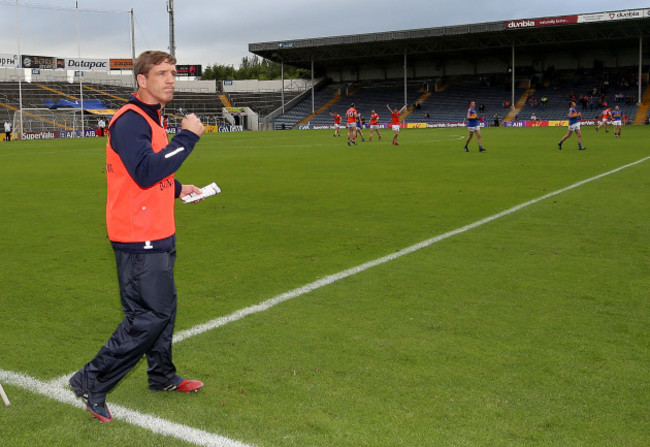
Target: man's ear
{"type": "Point", "coordinates": [142, 80]}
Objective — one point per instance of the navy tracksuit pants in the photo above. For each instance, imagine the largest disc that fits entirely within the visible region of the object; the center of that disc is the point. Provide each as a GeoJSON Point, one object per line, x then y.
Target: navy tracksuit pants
{"type": "Point", "coordinates": [148, 296]}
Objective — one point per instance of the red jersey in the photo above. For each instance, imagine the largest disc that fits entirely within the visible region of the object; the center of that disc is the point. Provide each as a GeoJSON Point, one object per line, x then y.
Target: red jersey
{"type": "Point", "coordinates": [374, 119]}
{"type": "Point", "coordinates": [351, 114]}
{"type": "Point", "coordinates": [395, 118]}
{"type": "Point", "coordinates": [607, 114]}
{"type": "Point", "coordinates": [337, 118]}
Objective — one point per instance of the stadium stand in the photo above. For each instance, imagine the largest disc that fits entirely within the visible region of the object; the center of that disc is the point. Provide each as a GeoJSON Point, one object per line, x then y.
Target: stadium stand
{"type": "Point", "coordinates": [206, 105]}
{"type": "Point", "coordinates": [449, 102]}
{"type": "Point", "coordinates": [592, 94]}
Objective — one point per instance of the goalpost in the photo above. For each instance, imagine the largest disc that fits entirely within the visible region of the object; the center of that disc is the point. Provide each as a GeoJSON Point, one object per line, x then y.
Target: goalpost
{"type": "Point", "coordinates": [37, 119]}
{"type": "Point", "coordinates": [42, 32]}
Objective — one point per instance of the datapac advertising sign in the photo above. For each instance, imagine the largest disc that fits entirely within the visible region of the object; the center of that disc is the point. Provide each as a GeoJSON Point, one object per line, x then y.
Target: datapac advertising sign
{"type": "Point", "coordinates": [9, 60]}
{"type": "Point", "coordinates": [87, 64]}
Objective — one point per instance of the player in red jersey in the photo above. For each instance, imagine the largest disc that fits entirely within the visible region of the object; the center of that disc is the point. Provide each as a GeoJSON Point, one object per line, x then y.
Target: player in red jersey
{"type": "Point", "coordinates": [394, 114]}
{"type": "Point", "coordinates": [605, 118]}
{"type": "Point", "coordinates": [337, 124]}
{"type": "Point", "coordinates": [374, 124]}
{"type": "Point", "coordinates": [351, 116]}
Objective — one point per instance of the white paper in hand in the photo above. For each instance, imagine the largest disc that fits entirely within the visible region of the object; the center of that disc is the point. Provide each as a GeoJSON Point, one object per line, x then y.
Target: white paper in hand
{"type": "Point", "coordinates": [206, 191]}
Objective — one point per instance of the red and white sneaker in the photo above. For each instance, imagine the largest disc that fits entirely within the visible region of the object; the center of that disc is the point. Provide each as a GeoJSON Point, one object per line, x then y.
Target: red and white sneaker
{"type": "Point", "coordinates": [186, 386]}
{"type": "Point", "coordinates": [183, 386]}
{"type": "Point", "coordinates": [100, 411]}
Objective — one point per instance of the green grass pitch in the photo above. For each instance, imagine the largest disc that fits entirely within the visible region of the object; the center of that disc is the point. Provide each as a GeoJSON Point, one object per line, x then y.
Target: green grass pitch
{"type": "Point", "coordinates": [529, 330]}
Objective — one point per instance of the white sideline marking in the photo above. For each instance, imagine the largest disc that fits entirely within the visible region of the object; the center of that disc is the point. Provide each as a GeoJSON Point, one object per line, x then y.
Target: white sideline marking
{"type": "Point", "coordinates": [57, 388]}
{"type": "Point", "coordinates": [265, 305]}
{"type": "Point", "coordinates": [54, 390]}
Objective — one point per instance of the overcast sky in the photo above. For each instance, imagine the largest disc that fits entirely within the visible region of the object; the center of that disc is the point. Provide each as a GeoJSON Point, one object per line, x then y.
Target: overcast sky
{"type": "Point", "coordinates": [212, 32]}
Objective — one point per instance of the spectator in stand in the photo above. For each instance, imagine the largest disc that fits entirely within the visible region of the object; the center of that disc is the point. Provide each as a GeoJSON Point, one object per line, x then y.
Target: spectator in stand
{"type": "Point", "coordinates": [533, 117]}
{"type": "Point", "coordinates": [496, 120]}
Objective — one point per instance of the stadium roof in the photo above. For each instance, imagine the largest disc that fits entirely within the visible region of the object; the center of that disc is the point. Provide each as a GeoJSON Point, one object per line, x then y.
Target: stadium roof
{"type": "Point", "coordinates": [615, 29]}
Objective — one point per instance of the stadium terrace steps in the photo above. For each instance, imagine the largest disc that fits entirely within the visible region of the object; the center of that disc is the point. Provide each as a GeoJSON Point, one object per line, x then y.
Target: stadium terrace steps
{"type": "Point", "coordinates": [411, 108]}
{"type": "Point", "coordinates": [324, 107]}
{"type": "Point", "coordinates": [520, 104]}
{"type": "Point", "coordinates": [58, 92]}
{"type": "Point", "coordinates": [110, 95]}
{"type": "Point", "coordinates": [642, 111]}
{"type": "Point", "coordinates": [224, 100]}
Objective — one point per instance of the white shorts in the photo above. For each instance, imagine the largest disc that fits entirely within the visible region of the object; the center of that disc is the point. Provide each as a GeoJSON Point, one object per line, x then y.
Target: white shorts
{"type": "Point", "coordinates": [474, 128]}
{"type": "Point", "coordinates": [374, 126]}
{"type": "Point", "coordinates": [574, 127]}
{"type": "Point", "coordinates": [617, 123]}
{"type": "Point", "coordinates": [605, 121]}
{"type": "Point", "coordinates": [352, 125]}
{"type": "Point", "coordinates": [395, 127]}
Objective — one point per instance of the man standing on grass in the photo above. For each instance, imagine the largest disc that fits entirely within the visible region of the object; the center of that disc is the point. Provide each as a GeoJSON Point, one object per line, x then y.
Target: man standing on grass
{"type": "Point", "coordinates": [337, 124]}
{"type": "Point", "coordinates": [574, 126]}
{"type": "Point", "coordinates": [473, 127]}
{"type": "Point", "coordinates": [374, 124]}
{"type": "Point", "coordinates": [7, 131]}
{"type": "Point", "coordinates": [394, 122]}
{"type": "Point", "coordinates": [141, 188]}
{"type": "Point", "coordinates": [617, 121]}
{"type": "Point", "coordinates": [351, 114]}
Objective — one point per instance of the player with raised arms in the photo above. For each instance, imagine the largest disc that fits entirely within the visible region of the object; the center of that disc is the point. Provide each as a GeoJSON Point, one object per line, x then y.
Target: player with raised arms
{"type": "Point", "coordinates": [337, 123]}
{"type": "Point", "coordinates": [394, 122]}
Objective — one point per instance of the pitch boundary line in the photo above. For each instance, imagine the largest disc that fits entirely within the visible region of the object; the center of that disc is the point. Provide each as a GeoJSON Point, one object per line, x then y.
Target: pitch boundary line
{"type": "Point", "coordinates": [56, 388]}
{"type": "Point", "coordinates": [330, 279]}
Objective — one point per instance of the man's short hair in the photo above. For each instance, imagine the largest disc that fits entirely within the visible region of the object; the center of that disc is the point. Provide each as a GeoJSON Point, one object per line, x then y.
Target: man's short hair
{"type": "Point", "coordinates": [148, 59]}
